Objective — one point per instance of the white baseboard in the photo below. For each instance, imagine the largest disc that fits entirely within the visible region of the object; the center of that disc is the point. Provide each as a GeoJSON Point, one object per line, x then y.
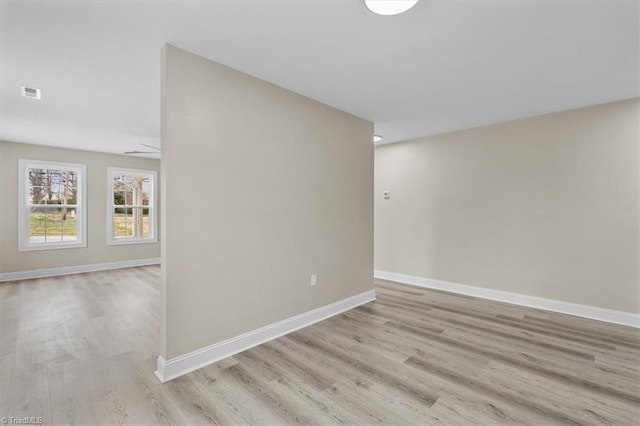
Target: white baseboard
{"type": "Point", "coordinates": [586, 311]}
{"type": "Point", "coordinates": [66, 270]}
{"type": "Point", "coordinates": [176, 367]}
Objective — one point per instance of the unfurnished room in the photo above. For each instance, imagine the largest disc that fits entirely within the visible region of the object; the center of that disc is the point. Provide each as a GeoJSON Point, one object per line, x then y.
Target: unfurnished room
{"type": "Point", "coordinates": [357, 212]}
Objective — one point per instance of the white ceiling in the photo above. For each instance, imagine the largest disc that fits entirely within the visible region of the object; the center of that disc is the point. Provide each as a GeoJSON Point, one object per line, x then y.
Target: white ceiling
{"type": "Point", "coordinates": [442, 66]}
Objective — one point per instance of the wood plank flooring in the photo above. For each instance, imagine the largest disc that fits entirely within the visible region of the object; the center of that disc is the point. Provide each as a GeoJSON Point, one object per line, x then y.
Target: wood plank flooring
{"type": "Point", "coordinates": [81, 349]}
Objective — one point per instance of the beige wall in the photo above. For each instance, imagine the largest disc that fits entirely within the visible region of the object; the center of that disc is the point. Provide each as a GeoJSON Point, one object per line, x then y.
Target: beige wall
{"type": "Point", "coordinates": [96, 251]}
{"type": "Point", "coordinates": [263, 187]}
{"type": "Point", "coordinates": [545, 206]}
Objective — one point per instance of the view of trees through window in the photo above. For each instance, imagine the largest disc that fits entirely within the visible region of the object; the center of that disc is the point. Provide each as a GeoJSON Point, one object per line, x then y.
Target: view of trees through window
{"type": "Point", "coordinates": [131, 206]}
{"type": "Point", "coordinates": [53, 205]}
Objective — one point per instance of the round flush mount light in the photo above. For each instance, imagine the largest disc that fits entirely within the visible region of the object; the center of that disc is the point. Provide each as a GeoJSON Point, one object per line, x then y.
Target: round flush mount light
{"type": "Point", "coordinates": [389, 7]}
{"type": "Point", "coordinates": [377, 138]}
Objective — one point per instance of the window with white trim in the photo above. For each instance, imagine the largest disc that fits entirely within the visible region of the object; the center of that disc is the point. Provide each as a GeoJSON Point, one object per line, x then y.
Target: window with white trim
{"type": "Point", "coordinates": [132, 214]}
{"type": "Point", "coordinates": [52, 205]}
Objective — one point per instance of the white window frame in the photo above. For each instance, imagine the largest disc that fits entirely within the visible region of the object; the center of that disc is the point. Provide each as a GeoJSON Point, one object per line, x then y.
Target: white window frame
{"type": "Point", "coordinates": [24, 241]}
{"type": "Point", "coordinates": [153, 207]}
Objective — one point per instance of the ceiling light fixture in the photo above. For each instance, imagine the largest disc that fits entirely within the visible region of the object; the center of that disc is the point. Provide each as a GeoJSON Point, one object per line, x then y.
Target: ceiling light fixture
{"type": "Point", "coordinates": [377, 138]}
{"type": "Point", "coordinates": [389, 7]}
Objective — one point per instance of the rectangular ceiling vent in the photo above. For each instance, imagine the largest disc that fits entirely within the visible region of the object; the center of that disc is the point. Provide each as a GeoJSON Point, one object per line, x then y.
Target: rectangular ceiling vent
{"type": "Point", "coordinates": [30, 92]}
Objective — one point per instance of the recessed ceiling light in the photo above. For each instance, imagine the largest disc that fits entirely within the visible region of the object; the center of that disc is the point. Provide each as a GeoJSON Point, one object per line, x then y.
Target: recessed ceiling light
{"type": "Point", "coordinates": [30, 92]}
{"type": "Point", "coordinates": [389, 7]}
{"type": "Point", "coordinates": [377, 138]}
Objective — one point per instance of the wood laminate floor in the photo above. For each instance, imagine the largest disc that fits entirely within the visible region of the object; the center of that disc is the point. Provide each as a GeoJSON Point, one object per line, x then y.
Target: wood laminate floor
{"type": "Point", "coordinates": [81, 349]}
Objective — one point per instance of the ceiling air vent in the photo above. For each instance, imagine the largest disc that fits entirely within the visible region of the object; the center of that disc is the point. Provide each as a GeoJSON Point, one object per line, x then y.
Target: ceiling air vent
{"type": "Point", "coordinates": [30, 92]}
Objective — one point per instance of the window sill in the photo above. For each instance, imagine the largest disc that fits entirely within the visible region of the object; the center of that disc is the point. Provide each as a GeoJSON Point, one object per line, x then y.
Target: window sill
{"type": "Point", "coordinates": [128, 241]}
{"type": "Point", "coordinates": [51, 246]}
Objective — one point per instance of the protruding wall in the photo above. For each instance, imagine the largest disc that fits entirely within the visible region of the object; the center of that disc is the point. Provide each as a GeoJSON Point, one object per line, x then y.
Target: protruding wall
{"type": "Point", "coordinates": [262, 189]}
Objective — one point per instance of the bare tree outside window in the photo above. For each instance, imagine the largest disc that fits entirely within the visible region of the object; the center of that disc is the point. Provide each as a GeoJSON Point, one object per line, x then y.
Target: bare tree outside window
{"type": "Point", "coordinates": [52, 204]}
{"type": "Point", "coordinates": [132, 208]}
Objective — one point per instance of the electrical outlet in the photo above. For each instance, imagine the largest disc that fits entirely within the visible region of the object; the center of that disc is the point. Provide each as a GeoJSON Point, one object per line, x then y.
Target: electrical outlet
{"type": "Point", "coordinates": [314, 280]}
{"type": "Point", "coordinates": [386, 194]}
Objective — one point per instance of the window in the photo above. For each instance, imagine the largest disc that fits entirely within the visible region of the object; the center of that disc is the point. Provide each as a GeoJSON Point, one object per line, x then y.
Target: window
{"type": "Point", "coordinates": [51, 210]}
{"type": "Point", "coordinates": [132, 207]}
